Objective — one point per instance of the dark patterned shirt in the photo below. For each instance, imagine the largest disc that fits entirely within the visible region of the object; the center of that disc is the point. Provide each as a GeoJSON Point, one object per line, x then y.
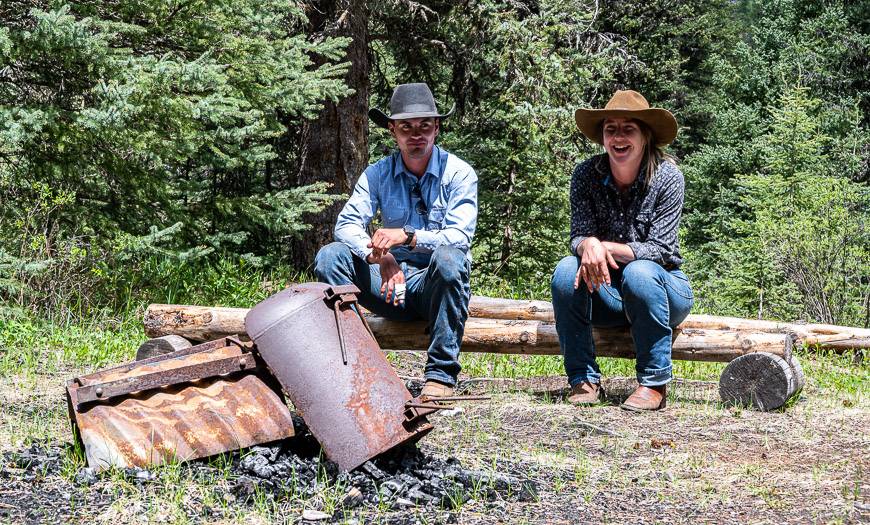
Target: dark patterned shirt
{"type": "Point", "coordinates": [646, 219]}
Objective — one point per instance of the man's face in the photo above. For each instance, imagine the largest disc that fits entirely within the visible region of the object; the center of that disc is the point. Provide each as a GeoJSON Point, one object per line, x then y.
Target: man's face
{"type": "Point", "coordinates": [623, 140]}
{"type": "Point", "coordinates": [415, 137]}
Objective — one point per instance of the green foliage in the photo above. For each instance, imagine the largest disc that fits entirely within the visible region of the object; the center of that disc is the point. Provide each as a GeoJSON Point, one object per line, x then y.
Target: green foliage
{"type": "Point", "coordinates": [800, 250]}
{"type": "Point", "coordinates": [142, 142]}
{"type": "Point", "coordinates": [32, 343]}
{"type": "Point", "coordinates": [776, 205]}
{"type": "Point", "coordinates": [151, 124]}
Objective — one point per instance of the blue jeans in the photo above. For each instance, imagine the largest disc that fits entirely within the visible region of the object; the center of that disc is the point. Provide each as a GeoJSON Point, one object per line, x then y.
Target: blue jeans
{"type": "Point", "coordinates": [642, 295]}
{"type": "Point", "coordinates": [438, 293]}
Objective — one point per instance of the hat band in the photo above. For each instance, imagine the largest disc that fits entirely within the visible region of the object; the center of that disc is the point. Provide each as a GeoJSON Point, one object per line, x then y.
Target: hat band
{"type": "Point", "coordinates": [624, 109]}
{"type": "Point", "coordinates": [416, 108]}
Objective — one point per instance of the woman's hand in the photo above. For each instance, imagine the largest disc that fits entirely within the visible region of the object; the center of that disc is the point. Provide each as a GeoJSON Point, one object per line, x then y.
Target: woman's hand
{"type": "Point", "coordinates": [391, 275]}
{"type": "Point", "coordinates": [594, 261]}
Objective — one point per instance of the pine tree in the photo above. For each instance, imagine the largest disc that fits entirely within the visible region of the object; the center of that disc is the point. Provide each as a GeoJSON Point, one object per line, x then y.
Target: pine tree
{"type": "Point", "coordinates": [155, 115]}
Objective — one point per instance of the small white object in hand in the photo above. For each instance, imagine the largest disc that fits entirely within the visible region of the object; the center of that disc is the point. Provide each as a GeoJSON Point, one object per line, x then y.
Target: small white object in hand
{"type": "Point", "coordinates": [399, 291]}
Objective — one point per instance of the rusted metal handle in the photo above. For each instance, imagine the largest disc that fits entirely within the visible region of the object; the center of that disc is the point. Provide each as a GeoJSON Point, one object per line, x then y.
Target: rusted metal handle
{"type": "Point", "coordinates": [459, 398]}
{"type": "Point", "coordinates": [338, 296]}
{"type": "Point", "coordinates": [345, 292]}
{"type": "Point", "coordinates": [121, 387]}
{"type": "Point", "coordinates": [421, 407]}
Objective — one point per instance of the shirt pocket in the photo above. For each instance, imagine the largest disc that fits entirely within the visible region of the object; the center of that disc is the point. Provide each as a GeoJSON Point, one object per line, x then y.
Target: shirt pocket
{"type": "Point", "coordinates": [394, 213]}
{"type": "Point", "coordinates": [642, 226]}
{"type": "Point", "coordinates": [435, 220]}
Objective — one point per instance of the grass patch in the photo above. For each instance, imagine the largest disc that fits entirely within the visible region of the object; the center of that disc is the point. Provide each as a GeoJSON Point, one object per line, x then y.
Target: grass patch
{"type": "Point", "coordinates": [524, 366]}
{"type": "Point", "coordinates": [31, 345]}
{"type": "Point", "coordinates": [34, 342]}
{"type": "Point", "coordinates": [846, 374]}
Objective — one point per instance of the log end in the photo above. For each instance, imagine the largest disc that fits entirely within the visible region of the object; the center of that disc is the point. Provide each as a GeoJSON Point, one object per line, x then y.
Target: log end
{"type": "Point", "coordinates": [760, 380]}
{"type": "Point", "coordinates": [161, 346]}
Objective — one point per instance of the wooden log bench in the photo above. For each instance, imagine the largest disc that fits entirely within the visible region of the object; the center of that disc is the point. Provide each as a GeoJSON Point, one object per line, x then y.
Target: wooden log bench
{"type": "Point", "coordinates": [761, 371]}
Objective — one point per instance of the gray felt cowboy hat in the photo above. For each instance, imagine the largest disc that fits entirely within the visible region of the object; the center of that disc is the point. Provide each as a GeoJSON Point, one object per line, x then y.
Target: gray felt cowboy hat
{"type": "Point", "coordinates": [628, 104]}
{"type": "Point", "coordinates": [409, 101]}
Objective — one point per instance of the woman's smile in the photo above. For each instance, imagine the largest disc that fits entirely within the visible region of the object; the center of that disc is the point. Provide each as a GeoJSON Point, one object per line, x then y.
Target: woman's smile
{"type": "Point", "coordinates": [623, 141]}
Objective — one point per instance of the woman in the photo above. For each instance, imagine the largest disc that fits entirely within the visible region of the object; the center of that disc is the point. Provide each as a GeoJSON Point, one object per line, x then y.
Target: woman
{"type": "Point", "coordinates": [625, 211]}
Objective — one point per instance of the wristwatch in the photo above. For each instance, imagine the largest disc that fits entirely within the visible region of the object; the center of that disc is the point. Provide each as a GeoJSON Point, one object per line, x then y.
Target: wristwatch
{"type": "Point", "coordinates": [409, 231]}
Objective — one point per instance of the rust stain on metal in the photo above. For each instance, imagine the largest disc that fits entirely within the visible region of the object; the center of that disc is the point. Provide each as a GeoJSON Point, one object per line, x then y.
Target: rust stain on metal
{"type": "Point", "coordinates": [355, 410]}
{"type": "Point", "coordinates": [182, 421]}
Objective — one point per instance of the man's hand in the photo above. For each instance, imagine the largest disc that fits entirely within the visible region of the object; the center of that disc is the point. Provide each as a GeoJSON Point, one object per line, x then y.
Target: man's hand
{"type": "Point", "coordinates": [594, 261]}
{"type": "Point", "coordinates": [384, 239]}
{"type": "Point", "coordinates": [391, 275]}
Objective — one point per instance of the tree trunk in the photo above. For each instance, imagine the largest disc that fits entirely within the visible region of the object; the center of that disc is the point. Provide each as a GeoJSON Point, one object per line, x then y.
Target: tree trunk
{"type": "Point", "coordinates": [335, 144]}
{"type": "Point", "coordinates": [481, 335]}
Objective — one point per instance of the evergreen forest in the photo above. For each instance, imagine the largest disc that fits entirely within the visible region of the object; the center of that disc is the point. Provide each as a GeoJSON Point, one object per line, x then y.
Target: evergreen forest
{"type": "Point", "coordinates": [197, 151]}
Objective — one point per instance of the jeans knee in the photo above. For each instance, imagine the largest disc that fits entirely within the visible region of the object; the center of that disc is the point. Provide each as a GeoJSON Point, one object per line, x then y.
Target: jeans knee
{"type": "Point", "coordinates": [449, 264]}
{"type": "Point", "coordinates": [562, 283]}
{"type": "Point", "coordinates": [642, 280]}
{"type": "Point", "coordinates": [329, 256]}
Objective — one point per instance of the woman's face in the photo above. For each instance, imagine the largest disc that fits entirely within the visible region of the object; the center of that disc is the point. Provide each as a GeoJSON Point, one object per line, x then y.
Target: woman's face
{"type": "Point", "coordinates": [623, 141]}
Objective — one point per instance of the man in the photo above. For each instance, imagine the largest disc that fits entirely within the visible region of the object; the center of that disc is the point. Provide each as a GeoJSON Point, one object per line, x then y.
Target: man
{"type": "Point", "coordinates": [417, 265]}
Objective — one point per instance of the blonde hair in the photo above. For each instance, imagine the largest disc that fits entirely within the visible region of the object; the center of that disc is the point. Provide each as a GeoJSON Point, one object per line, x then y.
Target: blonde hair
{"type": "Point", "coordinates": [653, 154]}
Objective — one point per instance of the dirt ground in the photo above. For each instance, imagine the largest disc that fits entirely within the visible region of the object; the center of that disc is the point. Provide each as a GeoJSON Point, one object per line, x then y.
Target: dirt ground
{"type": "Point", "coordinates": [695, 462]}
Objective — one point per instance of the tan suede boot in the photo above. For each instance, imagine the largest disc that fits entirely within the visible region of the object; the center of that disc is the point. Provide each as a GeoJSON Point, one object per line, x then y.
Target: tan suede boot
{"type": "Point", "coordinates": [433, 389]}
{"type": "Point", "coordinates": [586, 393]}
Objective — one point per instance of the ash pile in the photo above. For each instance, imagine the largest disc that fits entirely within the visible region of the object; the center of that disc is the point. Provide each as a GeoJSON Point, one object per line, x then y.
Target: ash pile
{"type": "Point", "coordinates": [37, 491]}
{"type": "Point", "coordinates": [404, 477]}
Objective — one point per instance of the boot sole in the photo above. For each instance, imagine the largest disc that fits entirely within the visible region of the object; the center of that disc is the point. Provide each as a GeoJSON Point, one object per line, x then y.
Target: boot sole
{"type": "Point", "coordinates": [632, 408]}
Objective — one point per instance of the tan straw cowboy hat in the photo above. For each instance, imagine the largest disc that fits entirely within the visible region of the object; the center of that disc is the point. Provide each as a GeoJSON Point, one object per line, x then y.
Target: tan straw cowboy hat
{"type": "Point", "coordinates": [628, 104]}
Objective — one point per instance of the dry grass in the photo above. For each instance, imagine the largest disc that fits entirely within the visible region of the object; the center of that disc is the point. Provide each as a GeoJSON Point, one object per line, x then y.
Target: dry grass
{"type": "Point", "coordinates": [695, 462]}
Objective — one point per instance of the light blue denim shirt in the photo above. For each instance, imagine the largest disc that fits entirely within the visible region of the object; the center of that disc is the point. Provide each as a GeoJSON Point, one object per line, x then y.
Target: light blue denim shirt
{"type": "Point", "coordinates": [448, 188]}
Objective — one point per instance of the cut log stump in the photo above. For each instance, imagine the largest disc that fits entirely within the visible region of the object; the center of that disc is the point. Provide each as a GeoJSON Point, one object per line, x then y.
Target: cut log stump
{"type": "Point", "coordinates": [761, 380]}
{"type": "Point", "coordinates": [161, 345]}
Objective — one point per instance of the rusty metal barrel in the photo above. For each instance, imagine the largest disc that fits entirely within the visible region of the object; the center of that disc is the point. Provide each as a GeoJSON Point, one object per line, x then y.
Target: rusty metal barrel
{"type": "Point", "coordinates": [320, 348]}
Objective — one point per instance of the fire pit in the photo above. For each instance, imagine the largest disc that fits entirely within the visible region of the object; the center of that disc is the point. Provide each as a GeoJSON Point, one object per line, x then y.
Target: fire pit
{"type": "Point", "coordinates": [226, 394]}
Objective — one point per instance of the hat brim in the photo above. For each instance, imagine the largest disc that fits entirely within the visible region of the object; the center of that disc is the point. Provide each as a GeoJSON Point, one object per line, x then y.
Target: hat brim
{"type": "Point", "coordinates": [382, 119]}
{"type": "Point", "coordinates": [661, 121]}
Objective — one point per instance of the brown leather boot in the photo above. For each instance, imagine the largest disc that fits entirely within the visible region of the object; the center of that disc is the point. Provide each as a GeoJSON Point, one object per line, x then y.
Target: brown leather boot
{"type": "Point", "coordinates": [646, 398]}
{"type": "Point", "coordinates": [586, 393]}
{"type": "Point", "coordinates": [434, 389]}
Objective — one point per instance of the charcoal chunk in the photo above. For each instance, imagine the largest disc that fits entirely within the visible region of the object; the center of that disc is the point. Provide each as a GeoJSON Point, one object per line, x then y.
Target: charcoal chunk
{"type": "Point", "coordinates": [86, 476]}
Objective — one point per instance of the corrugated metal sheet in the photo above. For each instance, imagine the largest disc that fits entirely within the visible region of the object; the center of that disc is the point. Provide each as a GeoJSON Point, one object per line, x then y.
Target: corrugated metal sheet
{"type": "Point", "coordinates": [178, 422]}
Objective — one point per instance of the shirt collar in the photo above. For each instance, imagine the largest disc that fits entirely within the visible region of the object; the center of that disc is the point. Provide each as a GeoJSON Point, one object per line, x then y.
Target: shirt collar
{"type": "Point", "coordinates": [433, 168]}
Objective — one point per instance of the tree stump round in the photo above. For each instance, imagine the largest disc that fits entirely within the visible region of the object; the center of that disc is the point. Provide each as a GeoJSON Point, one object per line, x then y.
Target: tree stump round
{"type": "Point", "coordinates": [161, 345]}
{"type": "Point", "coordinates": [761, 380]}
